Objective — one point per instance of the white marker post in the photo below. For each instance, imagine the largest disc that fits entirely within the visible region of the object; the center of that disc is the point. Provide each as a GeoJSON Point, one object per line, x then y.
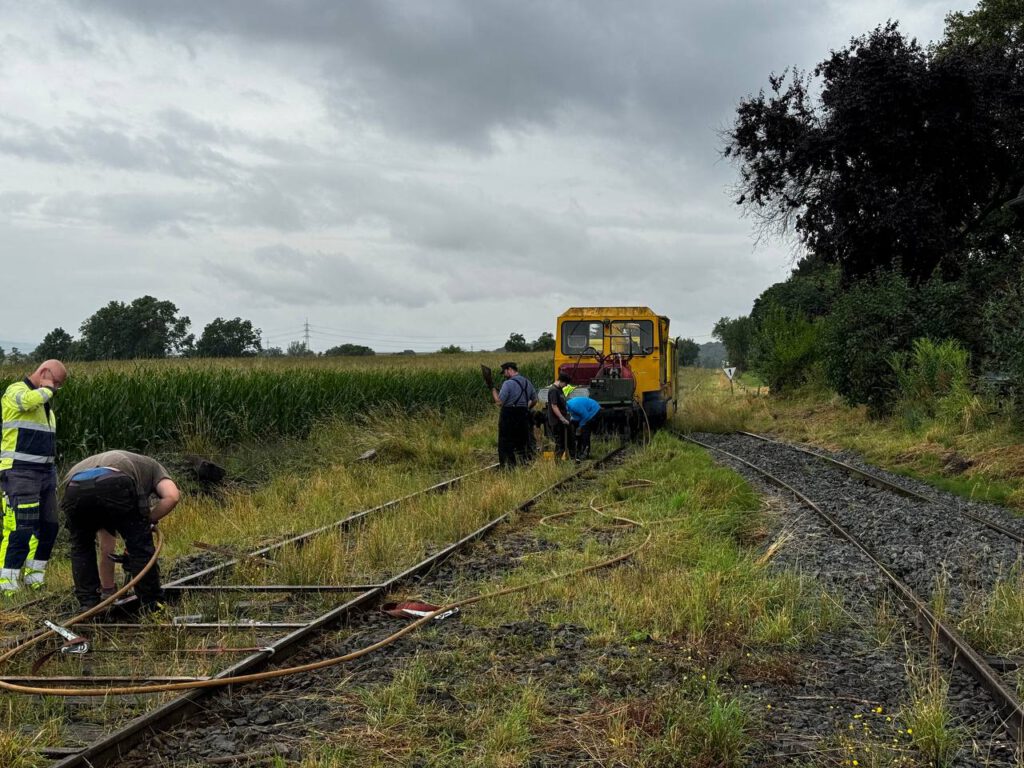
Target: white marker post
{"type": "Point", "coordinates": [730, 372]}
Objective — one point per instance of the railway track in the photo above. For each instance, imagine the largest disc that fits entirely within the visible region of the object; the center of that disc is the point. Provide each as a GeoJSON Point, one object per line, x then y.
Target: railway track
{"type": "Point", "coordinates": [929, 552]}
{"type": "Point", "coordinates": [264, 646]}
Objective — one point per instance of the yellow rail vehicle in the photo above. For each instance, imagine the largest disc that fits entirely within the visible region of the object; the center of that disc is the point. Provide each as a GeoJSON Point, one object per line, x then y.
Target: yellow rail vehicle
{"type": "Point", "coordinates": [625, 359]}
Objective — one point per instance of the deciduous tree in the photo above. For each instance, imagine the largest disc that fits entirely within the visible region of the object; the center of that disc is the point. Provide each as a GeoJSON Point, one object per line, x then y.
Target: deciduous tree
{"type": "Point", "coordinates": [349, 350]}
{"type": "Point", "coordinates": [903, 161]}
{"type": "Point", "coordinates": [229, 338]}
{"type": "Point", "coordinates": [544, 343]}
{"type": "Point", "coordinates": [145, 328]}
{"type": "Point", "coordinates": [517, 343]}
{"type": "Point", "coordinates": [689, 352]}
{"type": "Point", "coordinates": [56, 344]}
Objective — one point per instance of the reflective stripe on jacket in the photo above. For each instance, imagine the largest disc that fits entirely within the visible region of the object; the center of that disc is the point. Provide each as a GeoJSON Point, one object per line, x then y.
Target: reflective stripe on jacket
{"type": "Point", "coordinates": [29, 427]}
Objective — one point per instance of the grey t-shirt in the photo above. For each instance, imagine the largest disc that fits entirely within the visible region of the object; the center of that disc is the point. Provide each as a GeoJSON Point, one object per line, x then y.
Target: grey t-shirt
{"type": "Point", "coordinates": [145, 471]}
{"type": "Point", "coordinates": [517, 392]}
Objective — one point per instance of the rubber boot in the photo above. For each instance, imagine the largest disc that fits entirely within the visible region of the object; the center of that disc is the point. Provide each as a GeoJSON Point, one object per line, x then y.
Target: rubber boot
{"type": "Point", "coordinates": [35, 573]}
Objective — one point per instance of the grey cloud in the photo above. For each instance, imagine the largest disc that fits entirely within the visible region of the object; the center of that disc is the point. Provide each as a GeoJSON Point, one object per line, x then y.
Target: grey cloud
{"type": "Point", "coordinates": [18, 202]}
{"type": "Point", "coordinates": [457, 71]}
{"type": "Point", "coordinates": [132, 212]}
{"type": "Point", "coordinates": [283, 275]}
{"type": "Point", "coordinates": [92, 141]}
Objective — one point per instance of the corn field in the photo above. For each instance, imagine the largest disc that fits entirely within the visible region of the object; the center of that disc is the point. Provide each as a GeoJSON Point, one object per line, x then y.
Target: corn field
{"type": "Point", "coordinates": [174, 404]}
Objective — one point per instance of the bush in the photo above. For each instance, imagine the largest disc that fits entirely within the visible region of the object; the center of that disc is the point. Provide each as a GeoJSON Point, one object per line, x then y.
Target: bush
{"type": "Point", "coordinates": [785, 348]}
{"type": "Point", "coordinates": [933, 382]}
{"type": "Point", "coordinates": [879, 317]}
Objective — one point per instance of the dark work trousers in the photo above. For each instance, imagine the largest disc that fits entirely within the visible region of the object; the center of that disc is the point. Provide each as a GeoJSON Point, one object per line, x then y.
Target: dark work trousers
{"type": "Point", "coordinates": [110, 503]}
{"type": "Point", "coordinates": [514, 427]}
{"type": "Point", "coordinates": [581, 442]}
{"type": "Point", "coordinates": [32, 496]}
{"type": "Point", "coordinates": [563, 438]}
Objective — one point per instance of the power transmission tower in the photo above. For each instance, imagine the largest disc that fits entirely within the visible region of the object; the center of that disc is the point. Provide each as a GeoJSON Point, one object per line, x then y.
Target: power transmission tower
{"type": "Point", "coordinates": [306, 334]}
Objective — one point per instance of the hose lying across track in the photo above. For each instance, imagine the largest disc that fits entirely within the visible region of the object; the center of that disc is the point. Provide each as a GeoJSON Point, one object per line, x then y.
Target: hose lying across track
{"type": "Point", "coordinates": [298, 669]}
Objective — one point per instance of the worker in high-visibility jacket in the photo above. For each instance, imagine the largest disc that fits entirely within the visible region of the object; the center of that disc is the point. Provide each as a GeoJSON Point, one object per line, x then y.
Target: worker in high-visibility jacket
{"type": "Point", "coordinates": [28, 477]}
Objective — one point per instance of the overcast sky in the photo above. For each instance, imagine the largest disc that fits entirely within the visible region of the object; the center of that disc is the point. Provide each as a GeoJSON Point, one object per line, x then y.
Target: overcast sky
{"type": "Point", "coordinates": [401, 174]}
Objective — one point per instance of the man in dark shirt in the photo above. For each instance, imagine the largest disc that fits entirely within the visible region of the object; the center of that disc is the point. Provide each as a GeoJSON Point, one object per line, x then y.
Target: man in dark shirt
{"type": "Point", "coordinates": [110, 492]}
{"type": "Point", "coordinates": [558, 415]}
{"type": "Point", "coordinates": [516, 397]}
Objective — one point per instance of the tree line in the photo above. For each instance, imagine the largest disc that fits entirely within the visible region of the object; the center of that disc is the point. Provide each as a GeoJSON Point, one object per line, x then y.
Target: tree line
{"type": "Point", "coordinates": [899, 171]}
{"type": "Point", "coordinates": [148, 328]}
{"type": "Point", "coordinates": [152, 328]}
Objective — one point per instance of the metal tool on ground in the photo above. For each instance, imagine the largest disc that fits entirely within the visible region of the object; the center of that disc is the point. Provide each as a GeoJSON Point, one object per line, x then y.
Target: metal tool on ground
{"type": "Point", "coordinates": [75, 642]}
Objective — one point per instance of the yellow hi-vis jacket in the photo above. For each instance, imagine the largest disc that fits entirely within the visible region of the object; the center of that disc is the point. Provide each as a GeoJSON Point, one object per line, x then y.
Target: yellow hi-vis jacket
{"type": "Point", "coordinates": [29, 427]}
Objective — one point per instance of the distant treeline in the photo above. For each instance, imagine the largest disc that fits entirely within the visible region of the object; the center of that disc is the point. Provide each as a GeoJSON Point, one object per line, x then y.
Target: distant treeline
{"type": "Point", "coordinates": [149, 328]}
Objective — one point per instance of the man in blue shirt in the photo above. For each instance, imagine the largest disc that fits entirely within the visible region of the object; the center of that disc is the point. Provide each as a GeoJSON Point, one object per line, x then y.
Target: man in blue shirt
{"type": "Point", "coordinates": [582, 411]}
{"type": "Point", "coordinates": [516, 397]}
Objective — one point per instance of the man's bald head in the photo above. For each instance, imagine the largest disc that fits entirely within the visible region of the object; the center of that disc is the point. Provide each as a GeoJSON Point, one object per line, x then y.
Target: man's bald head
{"type": "Point", "coordinates": [50, 373]}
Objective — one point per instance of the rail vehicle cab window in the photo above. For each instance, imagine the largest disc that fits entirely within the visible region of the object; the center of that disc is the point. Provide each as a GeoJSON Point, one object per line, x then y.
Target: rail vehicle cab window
{"type": "Point", "coordinates": [632, 337]}
{"type": "Point", "coordinates": [578, 335]}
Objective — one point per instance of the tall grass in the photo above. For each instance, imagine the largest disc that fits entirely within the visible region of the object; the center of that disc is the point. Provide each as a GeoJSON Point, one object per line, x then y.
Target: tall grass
{"type": "Point", "coordinates": [137, 406]}
{"type": "Point", "coordinates": [933, 382]}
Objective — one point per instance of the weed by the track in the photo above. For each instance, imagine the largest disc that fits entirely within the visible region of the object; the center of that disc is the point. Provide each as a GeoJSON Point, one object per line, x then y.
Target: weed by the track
{"type": "Point", "coordinates": [929, 722]}
{"type": "Point", "coordinates": [994, 621]}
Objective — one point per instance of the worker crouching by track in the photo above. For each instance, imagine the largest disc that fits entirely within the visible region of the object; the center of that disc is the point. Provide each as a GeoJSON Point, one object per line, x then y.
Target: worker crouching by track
{"type": "Point", "coordinates": [111, 491]}
{"type": "Point", "coordinates": [582, 411]}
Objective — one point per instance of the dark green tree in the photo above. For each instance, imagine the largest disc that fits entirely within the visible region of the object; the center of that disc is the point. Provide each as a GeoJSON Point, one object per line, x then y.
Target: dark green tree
{"type": "Point", "coordinates": [229, 338]}
{"type": "Point", "coordinates": [993, 24]}
{"type": "Point", "coordinates": [785, 348]}
{"type": "Point", "coordinates": [736, 334]}
{"type": "Point", "coordinates": [349, 350]}
{"type": "Point", "coordinates": [544, 343]}
{"type": "Point", "coordinates": [56, 344]}
{"type": "Point", "coordinates": [689, 352]}
{"type": "Point", "coordinates": [451, 349]}
{"type": "Point", "coordinates": [810, 291]}
{"type": "Point", "coordinates": [517, 343]}
{"type": "Point", "coordinates": [299, 349]}
{"type": "Point", "coordinates": [145, 328]}
{"type": "Point", "coordinates": [878, 318]}
{"type": "Point", "coordinates": [903, 162]}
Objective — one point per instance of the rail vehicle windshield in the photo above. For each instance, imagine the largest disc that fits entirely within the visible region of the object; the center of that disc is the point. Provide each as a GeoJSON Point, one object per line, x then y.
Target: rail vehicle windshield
{"type": "Point", "coordinates": [578, 335]}
{"type": "Point", "coordinates": [632, 337]}
{"type": "Point", "coordinates": [626, 337]}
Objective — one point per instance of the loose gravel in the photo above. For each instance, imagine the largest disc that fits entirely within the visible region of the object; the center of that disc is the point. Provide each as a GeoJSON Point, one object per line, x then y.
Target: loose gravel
{"type": "Point", "coordinates": [853, 684]}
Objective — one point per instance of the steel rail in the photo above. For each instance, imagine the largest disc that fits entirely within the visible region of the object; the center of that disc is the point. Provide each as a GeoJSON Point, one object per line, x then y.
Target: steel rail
{"type": "Point", "coordinates": [298, 539]}
{"type": "Point", "coordinates": [962, 652]}
{"type": "Point", "coordinates": [887, 485]}
{"type": "Point", "coordinates": [111, 747]}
